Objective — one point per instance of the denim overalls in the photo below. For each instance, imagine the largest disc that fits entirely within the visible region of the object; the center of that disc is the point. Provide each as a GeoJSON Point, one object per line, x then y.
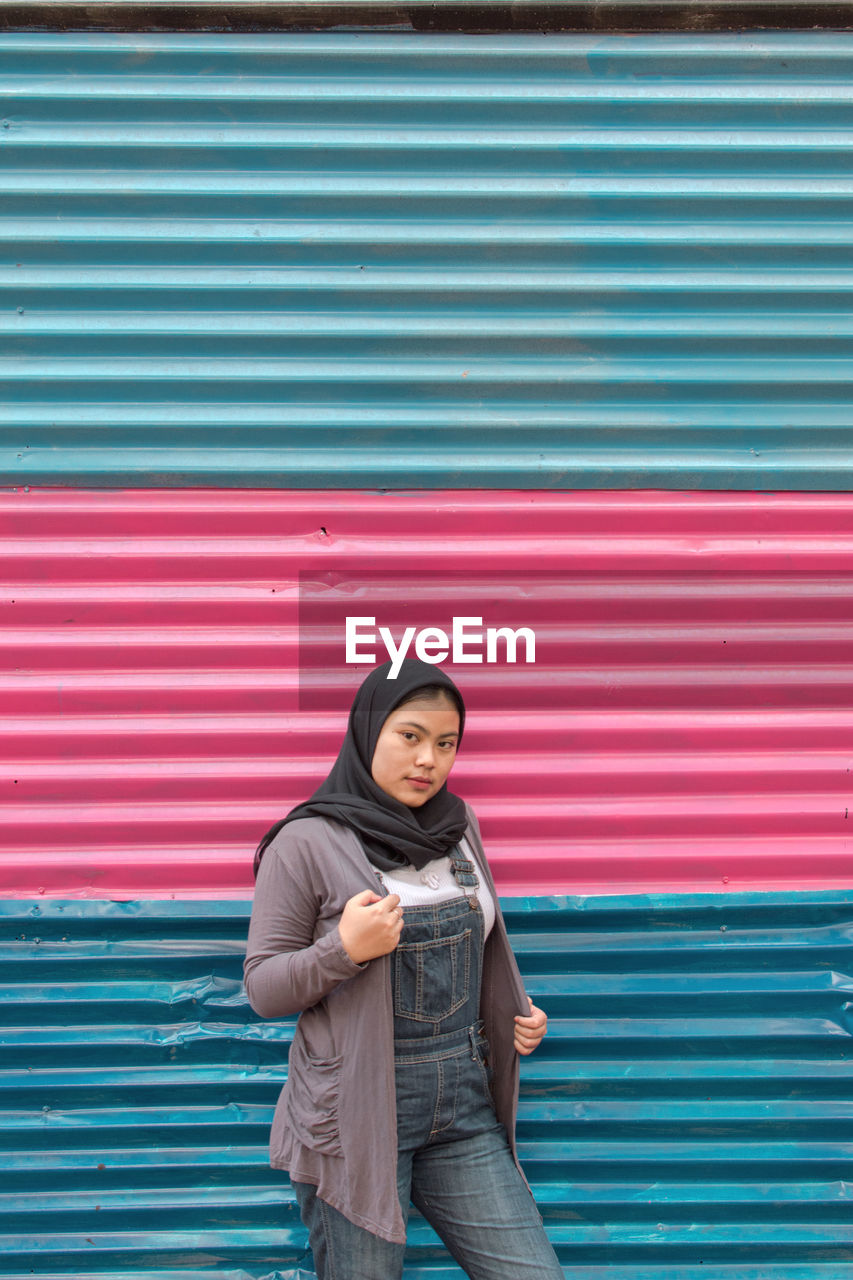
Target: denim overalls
{"type": "Point", "coordinates": [453, 1157]}
{"type": "Point", "coordinates": [440, 1053]}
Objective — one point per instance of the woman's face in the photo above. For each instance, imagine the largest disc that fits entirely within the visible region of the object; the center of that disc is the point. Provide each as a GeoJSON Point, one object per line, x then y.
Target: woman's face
{"type": "Point", "coordinates": [416, 749]}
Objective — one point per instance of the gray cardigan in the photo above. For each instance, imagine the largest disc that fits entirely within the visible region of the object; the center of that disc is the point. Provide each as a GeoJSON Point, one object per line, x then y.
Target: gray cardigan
{"type": "Point", "coordinates": [335, 1124]}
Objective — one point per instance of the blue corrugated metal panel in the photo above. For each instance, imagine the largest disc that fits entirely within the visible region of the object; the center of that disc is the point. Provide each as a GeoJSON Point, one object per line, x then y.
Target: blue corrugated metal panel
{"type": "Point", "coordinates": [413, 260]}
{"type": "Point", "coordinates": [689, 1114]}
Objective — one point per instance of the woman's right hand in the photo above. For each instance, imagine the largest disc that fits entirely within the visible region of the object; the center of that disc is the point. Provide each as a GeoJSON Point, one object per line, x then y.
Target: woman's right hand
{"type": "Point", "coordinates": [370, 925]}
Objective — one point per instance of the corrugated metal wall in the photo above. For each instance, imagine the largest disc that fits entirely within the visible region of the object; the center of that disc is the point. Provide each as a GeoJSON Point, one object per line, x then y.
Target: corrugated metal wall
{"type": "Point", "coordinates": [686, 723]}
{"type": "Point", "coordinates": [687, 1117]}
{"type": "Point", "coordinates": [430, 261]}
{"type": "Point", "coordinates": [337, 262]}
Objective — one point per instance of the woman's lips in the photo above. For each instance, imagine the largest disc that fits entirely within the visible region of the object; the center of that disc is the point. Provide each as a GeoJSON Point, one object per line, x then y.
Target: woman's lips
{"type": "Point", "coordinates": [422, 784]}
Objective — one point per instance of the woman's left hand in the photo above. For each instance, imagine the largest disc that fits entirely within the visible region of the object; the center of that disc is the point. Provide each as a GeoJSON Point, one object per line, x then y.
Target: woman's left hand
{"type": "Point", "coordinates": [529, 1031]}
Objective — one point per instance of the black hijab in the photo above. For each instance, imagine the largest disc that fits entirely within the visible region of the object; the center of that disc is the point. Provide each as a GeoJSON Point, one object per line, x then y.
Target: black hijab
{"type": "Point", "coordinates": [393, 835]}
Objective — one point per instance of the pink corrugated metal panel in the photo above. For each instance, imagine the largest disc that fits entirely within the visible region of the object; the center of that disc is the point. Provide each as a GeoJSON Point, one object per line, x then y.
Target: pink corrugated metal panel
{"type": "Point", "coordinates": [686, 723]}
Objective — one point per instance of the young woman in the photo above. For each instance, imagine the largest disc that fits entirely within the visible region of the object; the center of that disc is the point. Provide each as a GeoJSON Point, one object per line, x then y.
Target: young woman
{"type": "Point", "coordinates": [376, 919]}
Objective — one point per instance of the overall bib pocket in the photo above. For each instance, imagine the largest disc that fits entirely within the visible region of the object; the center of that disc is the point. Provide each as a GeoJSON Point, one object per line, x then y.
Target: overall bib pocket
{"type": "Point", "coordinates": [432, 977]}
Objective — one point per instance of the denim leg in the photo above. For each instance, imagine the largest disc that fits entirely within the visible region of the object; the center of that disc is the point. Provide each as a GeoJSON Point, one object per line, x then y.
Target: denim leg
{"type": "Point", "coordinates": [473, 1196]}
{"type": "Point", "coordinates": [342, 1250]}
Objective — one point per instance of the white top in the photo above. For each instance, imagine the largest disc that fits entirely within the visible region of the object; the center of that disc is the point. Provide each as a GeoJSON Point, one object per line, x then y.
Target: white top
{"type": "Point", "coordinates": [436, 883]}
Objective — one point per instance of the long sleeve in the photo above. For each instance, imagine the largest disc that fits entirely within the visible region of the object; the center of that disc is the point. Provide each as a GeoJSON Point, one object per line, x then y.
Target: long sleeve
{"type": "Point", "coordinates": [286, 970]}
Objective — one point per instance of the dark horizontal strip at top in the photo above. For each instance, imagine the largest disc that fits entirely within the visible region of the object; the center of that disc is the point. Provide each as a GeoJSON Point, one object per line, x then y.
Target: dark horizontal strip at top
{"type": "Point", "coordinates": [388, 261]}
{"type": "Point", "coordinates": [690, 1111]}
{"type": "Point", "coordinates": [442, 16]}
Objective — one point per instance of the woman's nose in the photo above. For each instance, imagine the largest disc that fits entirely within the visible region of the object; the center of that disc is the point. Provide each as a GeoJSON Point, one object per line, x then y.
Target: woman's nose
{"type": "Point", "coordinates": [425, 754]}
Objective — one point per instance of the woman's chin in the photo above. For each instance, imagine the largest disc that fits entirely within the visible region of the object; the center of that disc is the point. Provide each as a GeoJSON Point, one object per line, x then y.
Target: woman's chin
{"type": "Point", "coordinates": [414, 799]}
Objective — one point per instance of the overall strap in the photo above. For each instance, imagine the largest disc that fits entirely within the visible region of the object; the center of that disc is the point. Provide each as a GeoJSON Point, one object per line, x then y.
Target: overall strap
{"type": "Point", "coordinates": [463, 870]}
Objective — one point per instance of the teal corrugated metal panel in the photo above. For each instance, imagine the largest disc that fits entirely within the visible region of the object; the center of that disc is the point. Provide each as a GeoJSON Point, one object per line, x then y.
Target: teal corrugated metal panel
{"type": "Point", "coordinates": [429, 261]}
{"type": "Point", "coordinates": [691, 1107]}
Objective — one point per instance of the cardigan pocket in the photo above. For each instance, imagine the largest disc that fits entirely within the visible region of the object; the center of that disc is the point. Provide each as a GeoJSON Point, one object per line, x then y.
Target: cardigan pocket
{"type": "Point", "coordinates": [311, 1106]}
